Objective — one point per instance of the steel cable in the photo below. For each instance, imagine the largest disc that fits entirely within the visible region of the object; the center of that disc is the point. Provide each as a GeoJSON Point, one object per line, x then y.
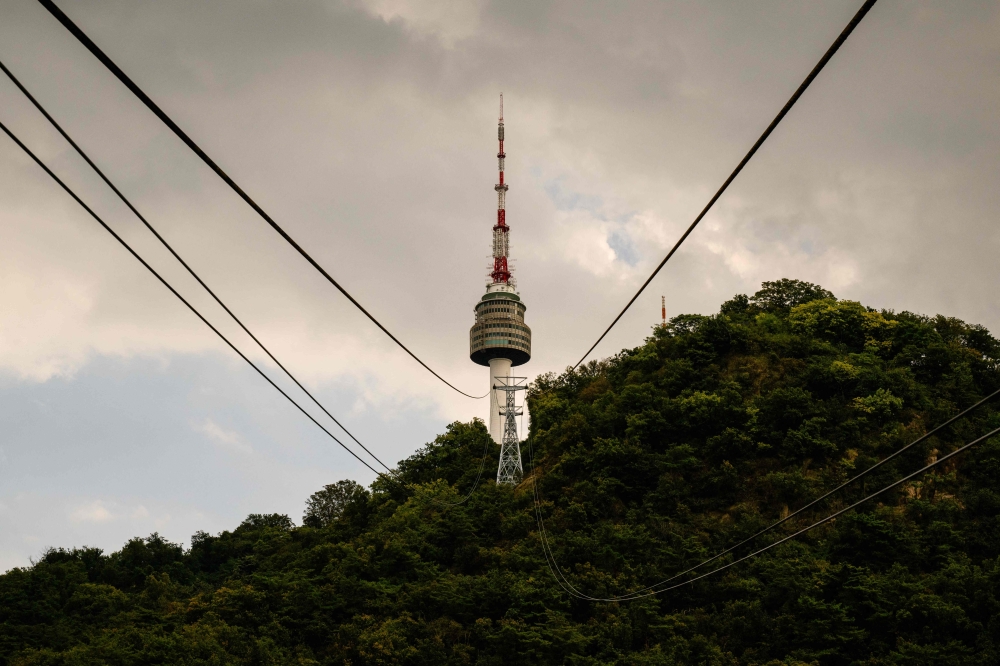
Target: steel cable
{"type": "Point", "coordinates": [183, 263]}
{"type": "Point", "coordinates": [152, 106]}
{"type": "Point", "coordinates": [843, 485]}
{"type": "Point", "coordinates": [763, 137]}
{"type": "Point", "coordinates": [648, 591]}
{"type": "Point", "coordinates": [124, 244]}
{"type": "Point", "coordinates": [482, 464]}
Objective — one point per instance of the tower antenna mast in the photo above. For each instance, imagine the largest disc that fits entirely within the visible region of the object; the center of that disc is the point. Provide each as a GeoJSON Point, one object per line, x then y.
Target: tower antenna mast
{"type": "Point", "coordinates": [501, 242]}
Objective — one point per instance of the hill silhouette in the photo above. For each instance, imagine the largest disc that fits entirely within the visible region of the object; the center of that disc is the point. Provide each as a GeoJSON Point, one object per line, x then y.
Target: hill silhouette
{"type": "Point", "coordinates": [646, 463]}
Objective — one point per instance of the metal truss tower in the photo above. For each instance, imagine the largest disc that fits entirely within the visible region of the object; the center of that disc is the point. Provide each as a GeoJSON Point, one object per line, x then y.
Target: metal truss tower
{"type": "Point", "coordinates": [510, 471]}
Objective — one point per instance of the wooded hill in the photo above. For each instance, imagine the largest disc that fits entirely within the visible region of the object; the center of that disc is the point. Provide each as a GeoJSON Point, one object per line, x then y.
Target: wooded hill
{"type": "Point", "coordinates": [647, 462]}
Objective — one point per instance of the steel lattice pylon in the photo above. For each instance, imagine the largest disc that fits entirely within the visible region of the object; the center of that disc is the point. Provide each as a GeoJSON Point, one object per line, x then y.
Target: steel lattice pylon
{"type": "Point", "coordinates": [510, 471]}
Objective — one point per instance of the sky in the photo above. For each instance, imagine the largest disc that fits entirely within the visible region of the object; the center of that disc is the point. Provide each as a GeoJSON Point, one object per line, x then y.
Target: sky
{"type": "Point", "coordinates": [367, 129]}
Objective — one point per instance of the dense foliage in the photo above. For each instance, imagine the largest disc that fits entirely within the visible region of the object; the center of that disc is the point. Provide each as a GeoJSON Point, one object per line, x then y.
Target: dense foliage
{"type": "Point", "coordinates": [646, 462]}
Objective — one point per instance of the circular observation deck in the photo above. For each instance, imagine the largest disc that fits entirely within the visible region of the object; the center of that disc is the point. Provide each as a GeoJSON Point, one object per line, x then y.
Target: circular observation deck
{"type": "Point", "coordinates": [500, 331]}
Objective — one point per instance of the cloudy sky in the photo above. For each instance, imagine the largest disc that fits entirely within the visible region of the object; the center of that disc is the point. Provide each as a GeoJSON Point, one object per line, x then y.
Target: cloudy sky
{"type": "Point", "coordinates": [367, 129]}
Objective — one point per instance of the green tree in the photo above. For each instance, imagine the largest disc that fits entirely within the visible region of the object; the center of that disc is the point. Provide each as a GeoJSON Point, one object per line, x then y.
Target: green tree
{"type": "Point", "coordinates": [328, 504]}
{"type": "Point", "coordinates": [784, 294]}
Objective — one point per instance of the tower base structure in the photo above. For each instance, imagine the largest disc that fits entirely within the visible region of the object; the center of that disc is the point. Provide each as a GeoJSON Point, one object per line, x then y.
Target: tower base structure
{"type": "Point", "coordinates": [510, 471]}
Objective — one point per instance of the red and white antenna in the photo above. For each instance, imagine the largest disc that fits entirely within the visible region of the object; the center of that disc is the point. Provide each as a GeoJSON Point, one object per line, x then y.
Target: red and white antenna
{"type": "Point", "coordinates": [501, 242]}
{"type": "Point", "coordinates": [663, 309]}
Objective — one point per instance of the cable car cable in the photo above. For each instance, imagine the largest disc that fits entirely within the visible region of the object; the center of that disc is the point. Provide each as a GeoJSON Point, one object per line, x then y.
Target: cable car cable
{"type": "Point", "coordinates": [118, 238]}
{"type": "Point", "coordinates": [843, 485]}
{"type": "Point", "coordinates": [183, 263]}
{"type": "Point", "coordinates": [570, 589]}
{"type": "Point", "coordinates": [152, 106]}
{"type": "Point", "coordinates": [482, 465]}
{"type": "Point", "coordinates": [763, 137]}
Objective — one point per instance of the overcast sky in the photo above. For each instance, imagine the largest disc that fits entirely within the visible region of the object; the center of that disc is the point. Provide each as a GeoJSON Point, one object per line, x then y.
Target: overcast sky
{"type": "Point", "coordinates": [367, 128]}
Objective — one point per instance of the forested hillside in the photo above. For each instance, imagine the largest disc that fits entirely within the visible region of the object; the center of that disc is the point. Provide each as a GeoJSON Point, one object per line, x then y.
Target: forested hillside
{"type": "Point", "coordinates": [646, 463]}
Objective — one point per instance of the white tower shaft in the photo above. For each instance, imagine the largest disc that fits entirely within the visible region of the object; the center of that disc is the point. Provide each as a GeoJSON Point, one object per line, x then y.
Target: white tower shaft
{"type": "Point", "coordinates": [499, 372]}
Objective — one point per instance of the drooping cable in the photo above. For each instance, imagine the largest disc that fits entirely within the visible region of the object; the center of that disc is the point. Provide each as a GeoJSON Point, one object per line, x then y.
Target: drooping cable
{"type": "Point", "coordinates": [166, 284]}
{"type": "Point", "coordinates": [152, 106]}
{"type": "Point", "coordinates": [570, 589]}
{"type": "Point", "coordinates": [482, 464]}
{"type": "Point", "coordinates": [739, 167]}
{"type": "Point", "coordinates": [826, 495]}
{"type": "Point", "coordinates": [183, 263]}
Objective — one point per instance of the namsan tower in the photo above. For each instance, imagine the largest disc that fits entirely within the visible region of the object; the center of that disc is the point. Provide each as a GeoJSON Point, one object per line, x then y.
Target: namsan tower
{"type": "Point", "coordinates": [499, 338]}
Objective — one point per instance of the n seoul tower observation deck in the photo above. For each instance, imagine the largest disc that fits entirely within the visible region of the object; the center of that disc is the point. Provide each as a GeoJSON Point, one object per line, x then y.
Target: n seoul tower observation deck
{"type": "Point", "coordinates": [500, 339]}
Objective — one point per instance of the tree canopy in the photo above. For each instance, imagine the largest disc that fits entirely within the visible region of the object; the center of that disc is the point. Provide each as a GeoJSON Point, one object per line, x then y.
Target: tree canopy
{"type": "Point", "coordinates": [646, 463]}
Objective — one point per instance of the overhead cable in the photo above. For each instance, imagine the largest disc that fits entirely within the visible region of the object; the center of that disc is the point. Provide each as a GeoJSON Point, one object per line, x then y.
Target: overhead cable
{"type": "Point", "coordinates": [183, 263]}
{"type": "Point", "coordinates": [573, 591]}
{"type": "Point", "coordinates": [482, 463]}
{"type": "Point", "coordinates": [739, 167]}
{"type": "Point", "coordinates": [152, 106]}
{"type": "Point", "coordinates": [177, 294]}
{"type": "Point", "coordinates": [843, 485]}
